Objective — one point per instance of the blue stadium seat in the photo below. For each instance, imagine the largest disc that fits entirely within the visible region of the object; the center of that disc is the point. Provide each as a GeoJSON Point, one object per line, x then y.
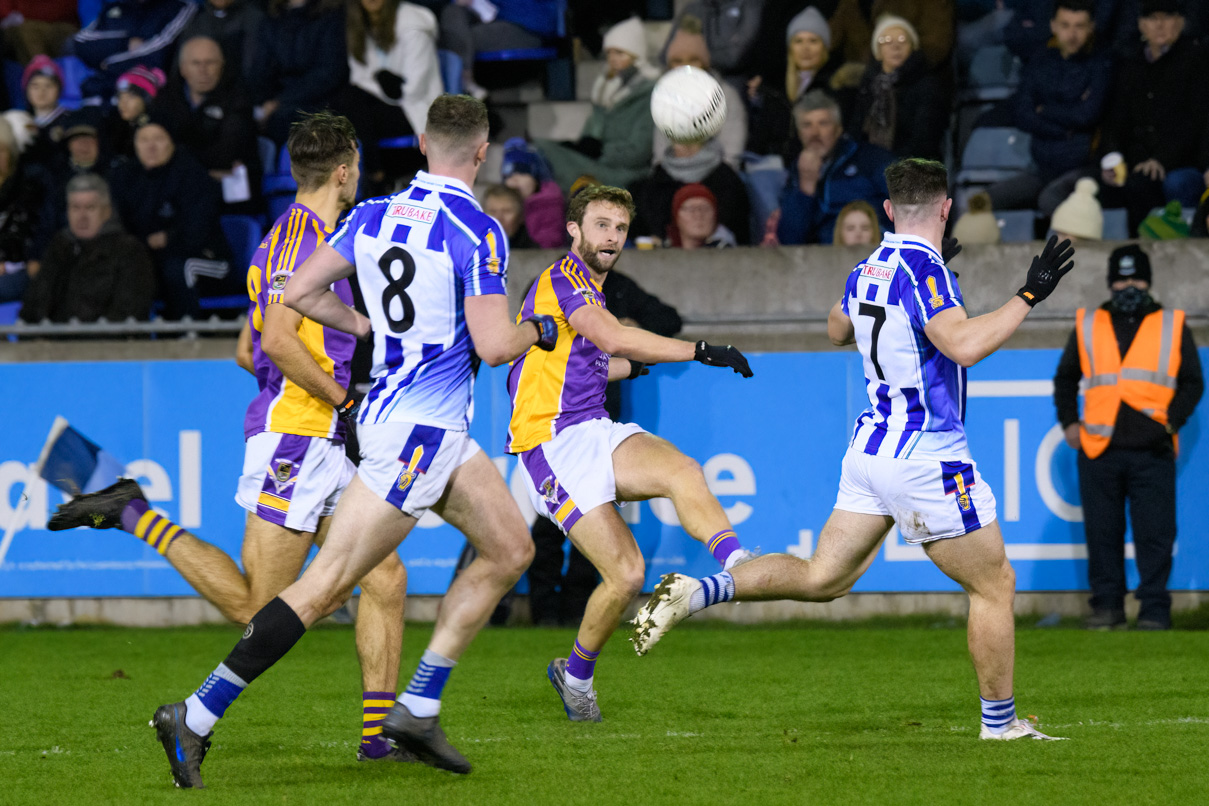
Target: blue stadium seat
{"type": "Point", "coordinates": [278, 204]}
{"type": "Point", "coordinates": [763, 193]}
{"type": "Point", "coordinates": [227, 303]}
{"type": "Point", "coordinates": [88, 10]}
{"type": "Point", "coordinates": [517, 55]}
{"type": "Point", "coordinates": [994, 153]}
{"type": "Point", "coordinates": [994, 74]}
{"type": "Point", "coordinates": [268, 153]}
{"type": "Point", "coordinates": [406, 141]}
{"type": "Point", "coordinates": [9, 312]}
{"type": "Point", "coordinates": [12, 83]}
{"type": "Point", "coordinates": [451, 71]}
{"type": "Point", "coordinates": [1015, 226]}
{"type": "Point", "coordinates": [1116, 224]}
{"type": "Point", "coordinates": [75, 73]}
{"type": "Point", "coordinates": [243, 233]}
{"type": "Point", "coordinates": [560, 69]}
{"type": "Point", "coordinates": [280, 181]}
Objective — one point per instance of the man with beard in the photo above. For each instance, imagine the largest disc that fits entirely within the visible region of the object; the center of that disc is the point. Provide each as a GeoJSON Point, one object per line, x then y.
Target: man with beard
{"type": "Point", "coordinates": [576, 461]}
{"type": "Point", "coordinates": [1143, 382]}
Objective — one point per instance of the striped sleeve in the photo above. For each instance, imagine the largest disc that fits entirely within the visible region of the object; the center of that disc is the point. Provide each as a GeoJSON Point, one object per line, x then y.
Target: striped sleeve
{"type": "Point", "coordinates": [572, 288]}
{"type": "Point", "coordinates": [301, 236]}
{"type": "Point", "coordinates": [934, 288]}
{"type": "Point", "coordinates": [486, 271]}
{"type": "Point", "coordinates": [342, 239]}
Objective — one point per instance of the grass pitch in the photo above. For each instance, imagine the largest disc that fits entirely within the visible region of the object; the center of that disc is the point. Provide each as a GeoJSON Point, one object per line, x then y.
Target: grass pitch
{"type": "Point", "coordinates": [794, 714]}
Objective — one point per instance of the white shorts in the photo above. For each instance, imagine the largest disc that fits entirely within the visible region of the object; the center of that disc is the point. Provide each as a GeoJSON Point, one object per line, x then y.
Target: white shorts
{"type": "Point", "coordinates": [292, 481]}
{"type": "Point", "coordinates": [928, 499]}
{"type": "Point", "coordinates": [572, 474]}
{"type": "Point", "coordinates": [409, 465]}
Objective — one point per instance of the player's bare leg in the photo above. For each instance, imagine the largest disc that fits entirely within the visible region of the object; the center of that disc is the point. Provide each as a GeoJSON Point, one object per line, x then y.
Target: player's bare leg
{"type": "Point", "coordinates": [646, 466]}
{"type": "Point", "coordinates": [847, 545]}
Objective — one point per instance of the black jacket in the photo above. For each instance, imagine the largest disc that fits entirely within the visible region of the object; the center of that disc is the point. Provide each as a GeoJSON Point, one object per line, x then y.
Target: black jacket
{"type": "Point", "coordinates": [653, 196]}
{"type": "Point", "coordinates": [921, 105]}
{"type": "Point", "coordinates": [627, 300]}
{"type": "Point", "coordinates": [1133, 429]}
{"type": "Point", "coordinates": [301, 59]}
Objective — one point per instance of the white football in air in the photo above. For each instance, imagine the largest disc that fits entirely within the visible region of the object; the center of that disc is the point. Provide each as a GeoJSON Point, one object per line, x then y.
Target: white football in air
{"type": "Point", "coordinates": [688, 105]}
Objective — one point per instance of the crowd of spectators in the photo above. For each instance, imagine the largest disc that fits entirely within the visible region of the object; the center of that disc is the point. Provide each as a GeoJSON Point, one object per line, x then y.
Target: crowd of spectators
{"type": "Point", "coordinates": [177, 98]}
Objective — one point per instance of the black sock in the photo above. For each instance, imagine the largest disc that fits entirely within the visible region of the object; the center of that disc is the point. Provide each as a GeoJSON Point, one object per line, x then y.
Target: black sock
{"type": "Point", "coordinates": [271, 633]}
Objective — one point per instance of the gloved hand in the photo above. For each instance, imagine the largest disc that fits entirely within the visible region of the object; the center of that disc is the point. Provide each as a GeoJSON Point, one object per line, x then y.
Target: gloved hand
{"type": "Point", "coordinates": [547, 330]}
{"type": "Point", "coordinates": [348, 412]}
{"type": "Point", "coordinates": [949, 249]}
{"type": "Point", "coordinates": [722, 357]}
{"type": "Point", "coordinates": [1047, 269]}
{"type": "Point", "coordinates": [637, 368]}
{"type": "Point", "coordinates": [390, 83]}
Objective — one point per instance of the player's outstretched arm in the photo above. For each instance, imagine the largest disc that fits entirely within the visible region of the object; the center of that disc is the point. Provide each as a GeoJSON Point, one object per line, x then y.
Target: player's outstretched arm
{"type": "Point", "coordinates": [601, 328]}
{"type": "Point", "coordinates": [497, 337]}
{"type": "Point", "coordinates": [309, 292]}
{"type": "Point", "coordinates": [839, 326]}
{"type": "Point", "coordinates": [967, 341]}
{"type": "Point", "coordinates": [621, 369]}
{"type": "Point", "coordinates": [280, 342]}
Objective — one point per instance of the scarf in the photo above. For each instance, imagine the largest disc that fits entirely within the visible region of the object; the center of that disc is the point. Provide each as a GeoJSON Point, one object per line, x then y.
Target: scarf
{"type": "Point", "coordinates": [883, 111]}
{"type": "Point", "coordinates": [608, 92]}
{"type": "Point", "coordinates": [687, 170]}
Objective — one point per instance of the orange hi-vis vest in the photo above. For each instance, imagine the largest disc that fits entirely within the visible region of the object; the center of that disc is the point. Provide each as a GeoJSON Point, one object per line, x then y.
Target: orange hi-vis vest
{"type": "Point", "coordinates": [1144, 379]}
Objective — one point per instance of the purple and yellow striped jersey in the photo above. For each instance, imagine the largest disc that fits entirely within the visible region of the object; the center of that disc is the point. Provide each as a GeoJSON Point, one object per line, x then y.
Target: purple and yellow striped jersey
{"type": "Point", "coordinates": [553, 390]}
{"type": "Point", "coordinates": [282, 406]}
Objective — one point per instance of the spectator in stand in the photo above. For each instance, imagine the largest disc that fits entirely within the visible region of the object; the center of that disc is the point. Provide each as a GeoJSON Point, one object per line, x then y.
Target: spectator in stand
{"type": "Point", "coordinates": [687, 47]}
{"type": "Point", "coordinates": [506, 206]}
{"type": "Point", "coordinates": [1027, 31]}
{"type": "Point", "coordinates": [212, 115]}
{"type": "Point", "coordinates": [128, 33]}
{"type": "Point", "coordinates": [1060, 103]}
{"type": "Point", "coordinates": [33, 27]}
{"type": "Point", "coordinates": [1158, 117]}
{"type": "Point", "coordinates": [17, 202]}
{"type": "Point", "coordinates": [93, 269]}
{"type": "Point", "coordinates": [171, 204]}
{"type": "Point", "coordinates": [731, 30]}
{"type": "Point", "coordinates": [301, 63]}
{"type": "Point", "coordinates": [235, 26]}
{"type": "Point", "coordinates": [395, 77]}
{"type": "Point", "coordinates": [470, 26]}
{"type": "Point", "coordinates": [808, 66]}
{"type": "Point", "coordinates": [901, 106]}
{"type": "Point", "coordinates": [43, 85]}
{"type": "Point", "coordinates": [79, 153]}
{"type": "Point", "coordinates": [615, 146]}
{"type": "Point", "coordinates": [831, 170]}
{"type": "Point", "coordinates": [699, 163]}
{"type": "Point", "coordinates": [857, 225]}
{"type": "Point", "coordinates": [853, 23]}
{"type": "Point", "coordinates": [136, 91]}
{"type": "Point", "coordinates": [1080, 217]}
{"type": "Point", "coordinates": [544, 214]}
{"type": "Point", "coordinates": [1200, 219]}
{"type": "Point", "coordinates": [694, 220]}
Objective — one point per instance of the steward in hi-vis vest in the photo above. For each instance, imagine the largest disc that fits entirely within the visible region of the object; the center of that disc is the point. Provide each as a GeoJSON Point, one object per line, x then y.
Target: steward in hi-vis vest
{"type": "Point", "coordinates": [1141, 378]}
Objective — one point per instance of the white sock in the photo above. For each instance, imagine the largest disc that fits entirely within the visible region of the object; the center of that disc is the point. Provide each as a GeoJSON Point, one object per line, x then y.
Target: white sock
{"type": "Point", "coordinates": [197, 717]}
{"type": "Point", "coordinates": [421, 706]}
{"type": "Point", "coordinates": [582, 686]}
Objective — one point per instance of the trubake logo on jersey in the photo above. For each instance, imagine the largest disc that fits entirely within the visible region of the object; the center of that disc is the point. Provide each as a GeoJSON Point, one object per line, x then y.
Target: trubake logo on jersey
{"type": "Point", "coordinates": [282, 471]}
{"type": "Point", "coordinates": [549, 490]}
{"type": "Point", "coordinates": [878, 272]}
{"type": "Point", "coordinates": [410, 469]}
{"type": "Point", "coordinates": [279, 280]}
{"type": "Point", "coordinates": [411, 212]}
{"type": "Point", "coordinates": [936, 300]}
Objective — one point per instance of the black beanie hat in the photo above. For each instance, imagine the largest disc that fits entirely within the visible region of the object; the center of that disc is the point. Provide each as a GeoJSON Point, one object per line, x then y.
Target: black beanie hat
{"type": "Point", "coordinates": [1128, 263]}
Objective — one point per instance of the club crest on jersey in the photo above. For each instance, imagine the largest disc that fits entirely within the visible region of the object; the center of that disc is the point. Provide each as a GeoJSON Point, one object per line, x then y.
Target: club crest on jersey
{"type": "Point", "coordinates": [588, 295]}
{"type": "Point", "coordinates": [411, 469]}
{"type": "Point", "coordinates": [549, 490]}
{"type": "Point", "coordinates": [937, 300]}
{"type": "Point", "coordinates": [963, 494]}
{"type": "Point", "coordinates": [282, 472]}
{"type": "Point", "coordinates": [279, 280]}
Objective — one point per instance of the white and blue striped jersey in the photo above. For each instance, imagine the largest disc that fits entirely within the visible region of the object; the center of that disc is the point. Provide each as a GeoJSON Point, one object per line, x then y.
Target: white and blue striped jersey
{"type": "Point", "coordinates": [419, 254]}
{"type": "Point", "coordinates": [917, 395]}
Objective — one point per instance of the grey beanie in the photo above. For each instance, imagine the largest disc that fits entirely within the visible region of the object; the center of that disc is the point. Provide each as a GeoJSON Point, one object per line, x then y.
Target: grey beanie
{"type": "Point", "coordinates": [811, 21]}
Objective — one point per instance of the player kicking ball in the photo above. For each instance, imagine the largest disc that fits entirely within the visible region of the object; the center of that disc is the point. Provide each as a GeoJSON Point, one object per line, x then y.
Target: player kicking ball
{"type": "Point", "coordinates": [575, 460]}
{"type": "Point", "coordinates": [295, 467]}
{"type": "Point", "coordinates": [908, 462]}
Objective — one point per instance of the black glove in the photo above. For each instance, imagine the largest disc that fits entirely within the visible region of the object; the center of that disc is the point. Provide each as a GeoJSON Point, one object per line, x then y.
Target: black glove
{"type": "Point", "coordinates": [949, 249]}
{"type": "Point", "coordinates": [590, 147]}
{"type": "Point", "coordinates": [348, 411]}
{"type": "Point", "coordinates": [637, 368]}
{"type": "Point", "coordinates": [722, 357]}
{"type": "Point", "coordinates": [1047, 270]}
{"type": "Point", "coordinates": [391, 84]}
{"type": "Point", "coordinates": [547, 330]}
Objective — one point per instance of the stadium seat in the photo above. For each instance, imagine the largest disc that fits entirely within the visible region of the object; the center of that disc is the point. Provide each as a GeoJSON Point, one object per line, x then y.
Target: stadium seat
{"type": "Point", "coordinates": [12, 82]}
{"type": "Point", "coordinates": [268, 153]}
{"type": "Point", "coordinates": [406, 141]}
{"type": "Point", "coordinates": [243, 233]}
{"type": "Point", "coordinates": [278, 204]}
{"type": "Point", "coordinates": [1116, 224]}
{"type": "Point", "coordinates": [9, 312]}
{"type": "Point", "coordinates": [451, 71]}
{"type": "Point", "coordinates": [994, 74]}
{"type": "Point", "coordinates": [994, 153]}
{"type": "Point", "coordinates": [227, 303]}
{"type": "Point", "coordinates": [1015, 226]}
{"type": "Point", "coordinates": [75, 73]}
{"type": "Point", "coordinates": [280, 181]}
{"type": "Point", "coordinates": [763, 193]}
{"type": "Point", "coordinates": [560, 68]}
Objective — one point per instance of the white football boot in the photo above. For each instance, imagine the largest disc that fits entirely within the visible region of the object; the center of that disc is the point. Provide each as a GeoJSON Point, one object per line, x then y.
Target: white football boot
{"type": "Point", "coordinates": [667, 607]}
{"type": "Point", "coordinates": [1020, 729]}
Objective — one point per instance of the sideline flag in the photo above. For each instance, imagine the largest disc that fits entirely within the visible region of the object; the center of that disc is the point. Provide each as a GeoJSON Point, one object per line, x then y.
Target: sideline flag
{"type": "Point", "coordinates": [75, 464]}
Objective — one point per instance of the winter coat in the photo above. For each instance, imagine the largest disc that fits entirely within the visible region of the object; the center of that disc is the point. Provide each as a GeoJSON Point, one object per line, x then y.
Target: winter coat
{"type": "Point", "coordinates": [103, 44]}
{"type": "Point", "coordinates": [731, 29]}
{"type": "Point", "coordinates": [653, 196]}
{"type": "Point", "coordinates": [107, 276]}
{"type": "Point", "coordinates": [18, 200]}
{"type": "Point", "coordinates": [236, 30]}
{"type": "Point", "coordinates": [546, 217]}
{"type": "Point", "coordinates": [1060, 102]}
{"type": "Point", "coordinates": [625, 133]}
{"type": "Point", "coordinates": [852, 28]}
{"type": "Point", "coordinates": [856, 171]}
{"type": "Point", "coordinates": [411, 62]}
{"type": "Point", "coordinates": [301, 59]}
{"type": "Point", "coordinates": [921, 103]}
{"type": "Point", "coordinates": [1156, 112]}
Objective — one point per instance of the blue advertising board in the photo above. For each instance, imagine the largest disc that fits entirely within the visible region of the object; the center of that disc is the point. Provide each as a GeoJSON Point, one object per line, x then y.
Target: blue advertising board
{"type": "Point", "coordinates": [770, 446]}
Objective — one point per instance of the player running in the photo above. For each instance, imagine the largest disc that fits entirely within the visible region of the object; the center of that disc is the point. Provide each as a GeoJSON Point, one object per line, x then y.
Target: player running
{"type": "Point", "coordinates": [575, 460]}
{"type": "Point", "coordinates": [433, 267]}
{"type": "Point", "coordinates": [295, 467]}
{"type": "Point", "coordinates": [908, 462]}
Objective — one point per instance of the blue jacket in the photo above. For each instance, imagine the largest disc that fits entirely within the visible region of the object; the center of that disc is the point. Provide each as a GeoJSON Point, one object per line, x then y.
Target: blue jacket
{"type": "Point", "coordinates": [857, 171]}
{"type": "Point", "coordinates": [1070, 94]}
{"type": "Point", "coordinates": [103, 45]}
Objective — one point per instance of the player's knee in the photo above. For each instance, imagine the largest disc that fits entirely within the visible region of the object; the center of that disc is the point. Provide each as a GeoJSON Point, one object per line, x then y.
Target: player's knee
{"type": "Point", "coordinates": [627, 578]}
{"type": "Point", "coordinates": [514, 558]}
{"type": "Point", "coordinates": [386, 583]}
{"type": "Point", "coordinates": [686, 471]}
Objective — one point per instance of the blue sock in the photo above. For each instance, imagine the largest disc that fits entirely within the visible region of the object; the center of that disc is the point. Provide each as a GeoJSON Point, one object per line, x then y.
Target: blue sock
{"type": "Point", "coordinates": [714, 590]}
{"type": "Point", "coordinates": [423, 695]}
{"type": "Point", "coordinates": [998, 715]}
{"type": "Point", "coordinates": [207, 705]}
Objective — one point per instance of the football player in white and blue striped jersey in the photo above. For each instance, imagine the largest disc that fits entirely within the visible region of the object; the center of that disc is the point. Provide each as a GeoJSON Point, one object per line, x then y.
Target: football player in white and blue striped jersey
{"type": "Point", "coordinates": [908, 462]}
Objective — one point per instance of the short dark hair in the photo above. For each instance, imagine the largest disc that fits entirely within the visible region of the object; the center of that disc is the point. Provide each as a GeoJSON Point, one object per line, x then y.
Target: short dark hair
{"type": "Point", "coordinates": [619, 197]}
{"type": "Point", "coordinates": [1075, 5]}
{"type": "Point", "coordinates": [913, 182]}
{"type": "Point", "coordinates": [504, 192]}
{"type": "Point", "coordinates": [456, 125]}
{"type": "Point", "coordinates": [318, 144]}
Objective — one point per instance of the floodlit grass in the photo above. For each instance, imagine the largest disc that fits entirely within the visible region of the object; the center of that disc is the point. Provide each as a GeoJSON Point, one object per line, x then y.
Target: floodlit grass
{"type": "Point", "coordinates": [791, 714]}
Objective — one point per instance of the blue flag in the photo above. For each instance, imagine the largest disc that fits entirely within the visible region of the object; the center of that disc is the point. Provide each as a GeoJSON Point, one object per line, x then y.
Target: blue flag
{"type": "Point", "coordinates": [75, 464]}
